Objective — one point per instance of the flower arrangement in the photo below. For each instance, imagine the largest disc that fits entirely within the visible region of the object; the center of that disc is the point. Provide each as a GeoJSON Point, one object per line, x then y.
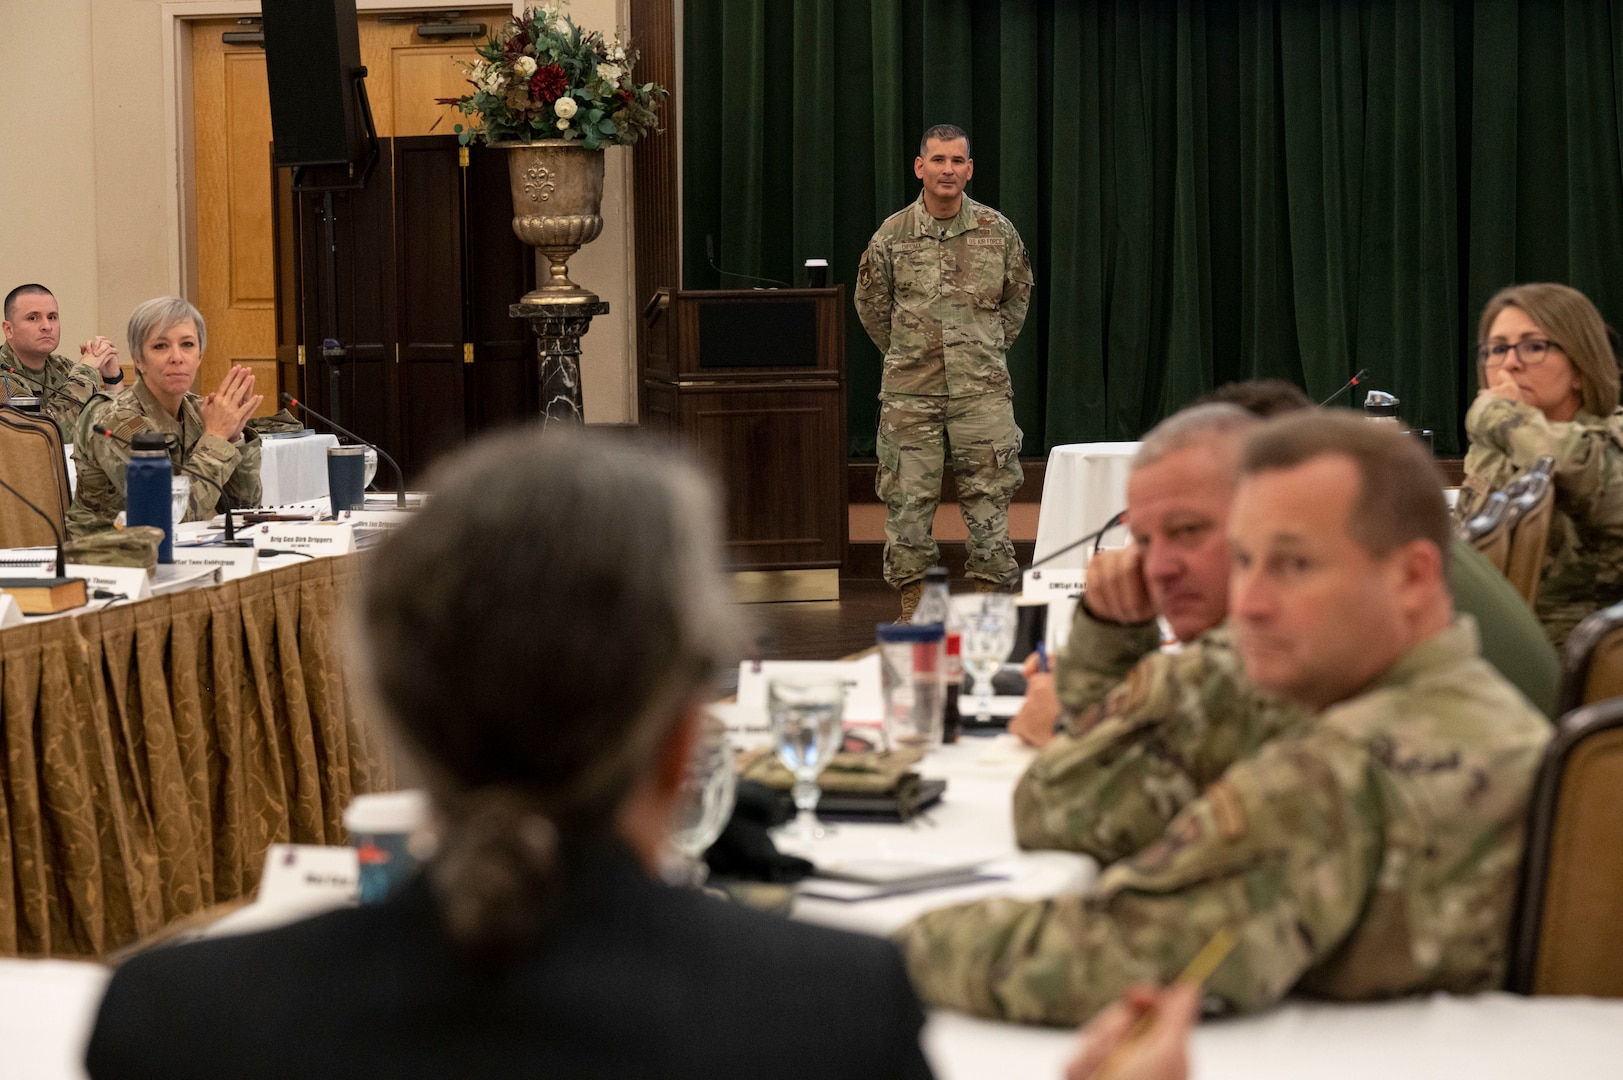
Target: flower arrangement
{"type": "Point", "coordinates": [542, 77]}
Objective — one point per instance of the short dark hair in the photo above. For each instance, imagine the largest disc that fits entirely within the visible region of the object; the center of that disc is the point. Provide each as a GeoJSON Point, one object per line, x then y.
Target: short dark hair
{"type": "Point", "coordinates": [21, 291]}
{"type": "Point", "coordinates": [487, 621]}
{"type": "Point", "coordinates": [1400, 488]}
{"type": "Point", "coordinates": [1266, 398]}
{"type": "Point", "coordinates": [945, 133]}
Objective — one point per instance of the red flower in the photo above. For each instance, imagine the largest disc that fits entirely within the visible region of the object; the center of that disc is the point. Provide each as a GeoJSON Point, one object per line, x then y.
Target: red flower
{"type": "Point", "coordinates": [515, 44]}
{"type": "Point", "coordinates": [626, 97]}
{"type": "Point", "coordinates": [548, 84]}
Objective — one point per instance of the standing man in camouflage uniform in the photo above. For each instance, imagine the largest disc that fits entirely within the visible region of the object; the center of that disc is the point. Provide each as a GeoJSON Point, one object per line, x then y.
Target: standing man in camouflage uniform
{"type": "Point", "coordinates": [942, 289]}
{"type": "Point", "coordinates": [32, 329]}
{"type": "Point", "coordinates": [1371, 850]}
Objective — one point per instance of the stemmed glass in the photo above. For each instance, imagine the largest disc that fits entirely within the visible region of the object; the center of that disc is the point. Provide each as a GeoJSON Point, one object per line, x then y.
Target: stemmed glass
{"type": "Point", "coordinates": [708, 789]}
{"type": "Point", "coordinates": [808, 730]}
{"type": "Point", "coordinates": [986, 636]}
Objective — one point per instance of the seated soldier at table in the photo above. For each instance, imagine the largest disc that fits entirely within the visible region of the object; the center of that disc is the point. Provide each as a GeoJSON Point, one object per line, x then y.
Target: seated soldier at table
{"type": "Point", "coordinates": [540, 940]}
{"type": "Point", "coordinates": [1368, 851]}
{"type": "Point", "coordinates": [167, 338]}
{"type": "Point", "coordinates": [28, 367]}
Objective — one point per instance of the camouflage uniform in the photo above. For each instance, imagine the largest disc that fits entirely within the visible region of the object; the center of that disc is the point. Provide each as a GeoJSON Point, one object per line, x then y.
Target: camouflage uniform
{"type": "Point", "coordinates": [1583, 568]}
{"type": "Point", "coordinates": [62, 387]}
{"type": "Point", "coordinates": [944, 301]}
{"type": "Point", "coordinates": [101, 461]}
{"type": "Point", "coordinates": [1369, 851]}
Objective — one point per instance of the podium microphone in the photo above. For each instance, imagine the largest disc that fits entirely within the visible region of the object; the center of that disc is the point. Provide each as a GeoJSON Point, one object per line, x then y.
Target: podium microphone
{"type": "Point", "coordinates": [710, 257]}
{"type": "Point", "coordinates": [1363, 373]}
{"type": "Point", "coordinates": [61, 555]}
{"type": "Point", "coordinates": [400, 477]}
{"type": "Point", "coordinates": [230, 522]}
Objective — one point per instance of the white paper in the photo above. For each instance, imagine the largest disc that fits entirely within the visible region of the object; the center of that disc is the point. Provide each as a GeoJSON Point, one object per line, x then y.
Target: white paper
{"type": "Point", "coordinates": [864, 703]}
{"type": "Point", "coordinates": [313, 538]}
{"type": "Point", "coordinates": [177, 577]}
{"type": "Point", "coordinates": [10, 613]}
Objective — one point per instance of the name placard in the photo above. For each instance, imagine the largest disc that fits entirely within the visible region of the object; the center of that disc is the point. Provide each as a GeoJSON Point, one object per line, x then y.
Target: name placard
{"type": "Point", "coordinates": [10, 613]}
{"type": "Point", "coordinates": [1053, 582]}
{"type": "Point", "coordinates": [375, 519]}
{"type": "Point", "coordinates": [299, 873]}
{"type": "Point", "coordinates": [311, 537]}
{"type": "Point", "coordinates": [232, 562]}
{"type": "Point", "coordinates": [130, 582]}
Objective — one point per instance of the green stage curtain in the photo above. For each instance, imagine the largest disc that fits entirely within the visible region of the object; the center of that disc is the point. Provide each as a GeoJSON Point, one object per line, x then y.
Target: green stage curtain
{"type": "Point", "coordinates": [1210, 191]}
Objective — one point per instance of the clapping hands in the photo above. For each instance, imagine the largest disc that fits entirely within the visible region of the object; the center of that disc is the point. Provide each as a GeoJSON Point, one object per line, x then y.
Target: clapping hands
{"type": "Point", "coordinates": [227, 410]}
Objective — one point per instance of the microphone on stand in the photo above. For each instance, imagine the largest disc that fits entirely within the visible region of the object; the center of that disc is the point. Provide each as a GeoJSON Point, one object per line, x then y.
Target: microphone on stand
{"type": "Point", "coordinates": [400, 477]}
{"type": "Point", "coordinates": [1363, 373]}
{"type": "Point", "coordinates": [53, 390]}
{"type": "Point", "coordinates": [61, 555]}
{"type": "Point", "coordinates": [710, 256]}
{"type": "Point", "coordinates": [1074, 544]}
{"type": "Point", "coordinates": [230, 522]}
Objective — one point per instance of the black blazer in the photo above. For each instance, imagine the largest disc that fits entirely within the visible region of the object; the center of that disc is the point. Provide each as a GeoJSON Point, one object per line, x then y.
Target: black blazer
{"type": "Point", "coordinates": [633, 979]}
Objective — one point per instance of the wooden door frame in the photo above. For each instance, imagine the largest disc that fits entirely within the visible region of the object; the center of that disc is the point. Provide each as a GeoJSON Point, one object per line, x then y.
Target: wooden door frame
{"type": "Point", "coordinates": [180, 159]}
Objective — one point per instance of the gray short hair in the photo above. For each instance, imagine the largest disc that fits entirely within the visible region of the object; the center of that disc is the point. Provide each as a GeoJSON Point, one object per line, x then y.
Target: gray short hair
{"type": "Point", "coordinates": [1195, 426]}
{"type": "Point", "coordinates": [159, 314]}
{"type": "Point", "coordinates": [532, 634]}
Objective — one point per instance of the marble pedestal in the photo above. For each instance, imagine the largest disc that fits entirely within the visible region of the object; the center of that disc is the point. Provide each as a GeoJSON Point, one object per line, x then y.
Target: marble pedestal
{"type": "Point", "coordinates": [557, 329]}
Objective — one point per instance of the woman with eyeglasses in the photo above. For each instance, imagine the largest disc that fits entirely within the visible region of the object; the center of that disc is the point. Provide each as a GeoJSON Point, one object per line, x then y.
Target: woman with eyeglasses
{"type": "Point", "coordinates": [1549, 385]}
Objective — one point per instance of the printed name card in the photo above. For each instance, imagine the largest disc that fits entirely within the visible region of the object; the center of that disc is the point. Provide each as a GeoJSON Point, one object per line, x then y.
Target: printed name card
{"type": "Point", "coordinates": [1053, 582]}
{"type": "Point", "coordinates": [232, 562]}
{"type": "Point", "coordinates": [298, 873]}
{"type": "Point", "coordinates": [310, 537]}
{"type": "Point", "coordinates": [10, 613]}
{"type": "Point", "coordinates": [129, 582]}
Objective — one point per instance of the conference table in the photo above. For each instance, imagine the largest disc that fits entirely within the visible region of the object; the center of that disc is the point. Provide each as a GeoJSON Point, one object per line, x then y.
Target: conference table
{"type": "Point", "coordinates": [292, 468]}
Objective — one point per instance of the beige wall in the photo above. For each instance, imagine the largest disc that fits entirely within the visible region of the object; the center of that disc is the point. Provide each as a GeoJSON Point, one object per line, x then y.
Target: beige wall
{"type": "Point", "coordinates": [97, 212]}
{"type": "Point", "coordinates": [48, 170]}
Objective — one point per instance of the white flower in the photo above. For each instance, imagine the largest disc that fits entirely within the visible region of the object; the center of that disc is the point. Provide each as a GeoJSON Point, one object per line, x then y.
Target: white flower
{"type": "Point", "coordinates": [612, 72]}
{"type": "Point", "coordinates": [565, 107]}
{"type": "Point", "coordinates": [524, 67]}
{"type": "Point", "coordinates": [563, 125]}
{"type": "Point", "coordinates": [492, 81]}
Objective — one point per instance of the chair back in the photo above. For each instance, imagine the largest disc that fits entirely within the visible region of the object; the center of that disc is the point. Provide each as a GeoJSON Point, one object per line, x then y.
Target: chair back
{"type": "Point", "coordinates": [1592, 669]}
{"type": "Point", "coordinates": [1532, 498]}
{"type": "Point", "coordinates": [33, 462]}
{"type": "Point", "coordinates": [1566, 936]}
{"type": "Point", "coordinates": [1489, 530]}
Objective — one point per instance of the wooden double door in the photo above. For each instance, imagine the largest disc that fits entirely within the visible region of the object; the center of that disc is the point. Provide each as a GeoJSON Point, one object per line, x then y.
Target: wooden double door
{"type": "Point", "coordinates": [415, 291]}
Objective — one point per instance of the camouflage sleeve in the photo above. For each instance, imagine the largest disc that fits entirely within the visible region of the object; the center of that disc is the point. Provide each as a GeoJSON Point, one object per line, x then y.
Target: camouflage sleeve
{"type": "Point", "coordinates": [1098, 655]}
{"type": "Point", "coordinates": [875, 294]}
{"type": "Point", "coordinates": [234, 468]}
{"type": "Point", "coordinates": [1017, 283]}
{"type": "Point", "coordinates": [1133, 761]}
{"type": "Point", "coordinates": [64, 403]}
{"type": "Point", "coordinates": [1282, 850]}
{"type": "Point", "coordinates": [1588, 458]}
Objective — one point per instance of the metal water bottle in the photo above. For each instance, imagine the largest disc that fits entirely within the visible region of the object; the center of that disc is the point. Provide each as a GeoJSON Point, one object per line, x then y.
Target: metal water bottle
{"type": "Point", "coordinates": [147, 490]}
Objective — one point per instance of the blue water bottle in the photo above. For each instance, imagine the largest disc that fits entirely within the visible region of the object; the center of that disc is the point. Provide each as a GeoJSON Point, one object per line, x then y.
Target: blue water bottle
{"type": "Point", "coordinates": [147, 491]}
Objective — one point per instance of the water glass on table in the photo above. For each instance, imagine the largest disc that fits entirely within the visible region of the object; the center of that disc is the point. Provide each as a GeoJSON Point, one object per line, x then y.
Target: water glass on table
{"type": "Point", "coordinates": [912, 663]}
{"type": "Point", "coordinates": [808, 729]}
{"type": "Point", "coordinates": [987, 634]}
{"type": "Point", "coordinates": [708, 790]}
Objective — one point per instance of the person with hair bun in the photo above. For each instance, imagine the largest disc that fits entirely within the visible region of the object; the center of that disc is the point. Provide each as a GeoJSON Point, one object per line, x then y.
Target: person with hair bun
{"type": "Point", "coordinates": [541, 638]}
{"type": "Point", "coordinates": [210, 434]}
{"type": "Point", "coordinates": [1549, 386]}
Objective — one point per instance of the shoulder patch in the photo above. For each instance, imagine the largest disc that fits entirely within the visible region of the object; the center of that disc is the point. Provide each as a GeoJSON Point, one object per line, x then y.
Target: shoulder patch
{"type": "Point", "coordinates": [131, 427]}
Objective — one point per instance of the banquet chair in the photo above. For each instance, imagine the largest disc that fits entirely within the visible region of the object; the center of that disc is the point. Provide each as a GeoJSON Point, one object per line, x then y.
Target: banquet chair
{"type": "Point", "coordinates": [1592, 669]}
{"type": "Point", "coordinates": [32, 461]}
{"type": "Point", "coordinates": [1489, 530]}
{"type": "Point", "coordinates": [1566, 936]}
{"type": "Point", "coordinates": [1532, 501]}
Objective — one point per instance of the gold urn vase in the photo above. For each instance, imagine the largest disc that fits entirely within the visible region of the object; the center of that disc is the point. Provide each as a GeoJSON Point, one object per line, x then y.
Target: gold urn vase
{"type": "Point", "coordinates": [557, 207]}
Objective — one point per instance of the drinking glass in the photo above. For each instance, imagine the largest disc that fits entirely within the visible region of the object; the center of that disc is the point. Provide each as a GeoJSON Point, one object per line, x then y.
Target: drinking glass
{"type": "Point", "coordinates": [708, 789]}
{"type": "Point", "coordinates": [987, 635]}
{"type": "Point", "coordinates": [180, 495]}
{"type": "Point", "coordinates": [808, 730]}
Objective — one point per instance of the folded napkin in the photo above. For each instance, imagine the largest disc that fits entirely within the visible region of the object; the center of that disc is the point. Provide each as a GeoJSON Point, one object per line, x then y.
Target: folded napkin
{"type": "Point", "coordinates": [872, 772]}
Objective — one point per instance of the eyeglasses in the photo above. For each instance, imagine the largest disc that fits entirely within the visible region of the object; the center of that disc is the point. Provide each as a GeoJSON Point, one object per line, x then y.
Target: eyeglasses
{"type": "Point", "coordinates": [1533, 352]}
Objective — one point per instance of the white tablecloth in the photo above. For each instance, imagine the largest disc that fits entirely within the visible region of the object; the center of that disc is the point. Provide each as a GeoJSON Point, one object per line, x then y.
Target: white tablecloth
{"type": "Point", "coordinates": [290, 470]}
{"type": "Point", "coordinates": [1085, 485]}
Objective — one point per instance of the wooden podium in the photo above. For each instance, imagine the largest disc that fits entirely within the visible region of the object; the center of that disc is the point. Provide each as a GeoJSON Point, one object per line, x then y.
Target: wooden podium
{"type": "Point", "coordinates": [755, 379]}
